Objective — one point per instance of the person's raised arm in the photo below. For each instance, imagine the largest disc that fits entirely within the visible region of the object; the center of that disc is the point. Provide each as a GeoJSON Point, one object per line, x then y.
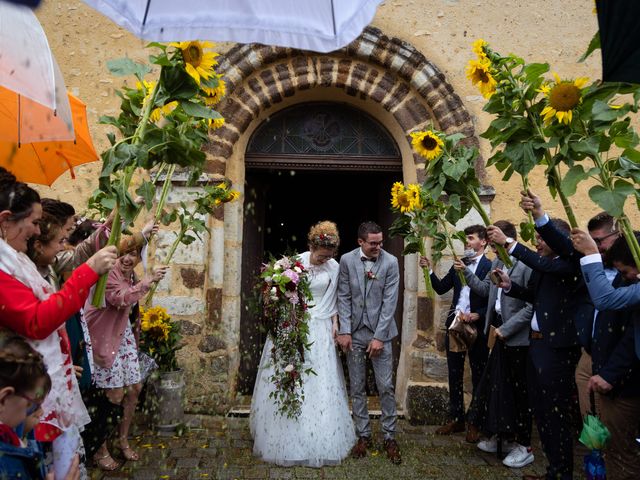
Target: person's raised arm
{"type": "Point", "coordinates": [36, 319]}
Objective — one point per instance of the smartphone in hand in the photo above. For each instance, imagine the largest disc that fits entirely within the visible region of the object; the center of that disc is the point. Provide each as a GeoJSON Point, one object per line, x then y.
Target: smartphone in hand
{"type": "Point", "coordinates": [494, 276]}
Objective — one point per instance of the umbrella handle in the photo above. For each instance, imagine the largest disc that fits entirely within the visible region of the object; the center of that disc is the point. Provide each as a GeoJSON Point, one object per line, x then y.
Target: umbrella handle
{"type": "Point", "coordinates": [592, 403]}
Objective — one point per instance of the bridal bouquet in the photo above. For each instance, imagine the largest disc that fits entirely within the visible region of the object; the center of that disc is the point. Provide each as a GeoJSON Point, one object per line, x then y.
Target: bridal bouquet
{"type": "Point", "coordinates": [285, 295]}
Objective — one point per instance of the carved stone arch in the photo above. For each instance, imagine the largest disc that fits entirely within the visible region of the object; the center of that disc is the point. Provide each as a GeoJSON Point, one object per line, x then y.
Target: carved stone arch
{"type": "Point", "coordinates": [385, 70]}
{"type": "Point", "coordinates": [405, 88]}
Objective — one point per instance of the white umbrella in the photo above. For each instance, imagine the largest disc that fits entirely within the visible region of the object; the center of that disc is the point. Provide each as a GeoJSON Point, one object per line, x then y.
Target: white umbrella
{"type": "Point", "coordinates": [29, 71]}
{"type": "Point", "coordinates": [318, 25]}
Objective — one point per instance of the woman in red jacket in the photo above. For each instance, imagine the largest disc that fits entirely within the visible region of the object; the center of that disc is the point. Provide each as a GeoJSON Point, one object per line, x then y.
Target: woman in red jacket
{"type": "Point", "coordinates": [31, 307]}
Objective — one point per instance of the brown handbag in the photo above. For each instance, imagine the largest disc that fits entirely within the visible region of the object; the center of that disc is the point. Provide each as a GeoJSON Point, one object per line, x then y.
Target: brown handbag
{"type": "Point", "coordinates": [461, 335]}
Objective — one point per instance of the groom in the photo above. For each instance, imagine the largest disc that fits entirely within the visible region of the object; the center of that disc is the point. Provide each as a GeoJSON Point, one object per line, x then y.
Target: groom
{"type": "Point", "coordinates": [367, 297]}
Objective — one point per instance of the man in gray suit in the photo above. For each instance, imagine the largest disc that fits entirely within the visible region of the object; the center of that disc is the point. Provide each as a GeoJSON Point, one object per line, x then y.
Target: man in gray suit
{"type": "Point", "coordinates": [367, 298]}
{"type": "Point", "coordinates": [511, 317]}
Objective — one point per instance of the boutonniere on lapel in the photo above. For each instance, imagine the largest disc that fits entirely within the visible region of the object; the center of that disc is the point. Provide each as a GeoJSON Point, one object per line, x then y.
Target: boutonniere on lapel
{"type": "Point", "coordinates": [370, 275]}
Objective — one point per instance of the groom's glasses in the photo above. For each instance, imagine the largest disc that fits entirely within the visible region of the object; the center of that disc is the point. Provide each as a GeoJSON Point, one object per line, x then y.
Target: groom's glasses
{"type": "Point", "coordinates": [374, 244]}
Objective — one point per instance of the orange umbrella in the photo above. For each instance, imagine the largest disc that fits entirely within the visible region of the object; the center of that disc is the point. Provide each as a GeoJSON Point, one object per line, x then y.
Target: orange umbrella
{"type": "Point", "coordinates": [44, 162]}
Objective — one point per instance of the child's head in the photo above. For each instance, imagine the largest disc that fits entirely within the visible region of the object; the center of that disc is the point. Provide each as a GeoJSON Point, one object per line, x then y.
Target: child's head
{"type": "Point", "coordinates": [24, 382]}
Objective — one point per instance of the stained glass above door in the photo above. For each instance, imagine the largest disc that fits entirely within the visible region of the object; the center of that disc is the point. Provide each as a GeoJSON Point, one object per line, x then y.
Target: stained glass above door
{"type": "Point", "coordinates": [343, 136]}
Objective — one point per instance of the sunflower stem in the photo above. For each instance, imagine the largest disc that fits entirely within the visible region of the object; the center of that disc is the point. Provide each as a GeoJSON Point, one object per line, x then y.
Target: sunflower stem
{"type": "Point", "coordinates": [425, 272]}
{"type": "Point", "coordinates": [165, 191]}
{"type": "Point", "coordinates": [630, 237]}
{"type": "Point", "coordinates": [114, 236]}
{"type": "Point", "coordinates": [116, 230]}
{"type": "Point", "coordinates": [525, 186]}
{"type": "Point", "coordinates": [172, 250]}
{"type": "Point", "coordinates": [475, 201]}
{"type": "Point", "coordinates": [554, 174]}
{"type": "Point", "coordinates": [445, 229]}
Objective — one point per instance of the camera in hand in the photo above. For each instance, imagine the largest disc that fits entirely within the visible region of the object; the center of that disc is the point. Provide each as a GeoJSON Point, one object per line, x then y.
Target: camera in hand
{"type": "Point", "coordinates": [468, 256]}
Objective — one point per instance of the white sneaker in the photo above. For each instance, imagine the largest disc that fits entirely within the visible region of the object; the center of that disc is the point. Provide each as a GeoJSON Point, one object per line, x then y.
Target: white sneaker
{"type": "Point", "coordinates": [491, 445]}
{"type": "Point", "coordinates": [519, 457]}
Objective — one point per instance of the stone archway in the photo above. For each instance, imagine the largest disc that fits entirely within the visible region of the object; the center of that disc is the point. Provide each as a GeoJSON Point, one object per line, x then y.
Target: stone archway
{"type": "Point", "coordinates": [374, 67]}
{"type": "Point", "coordinates": [392, 78]}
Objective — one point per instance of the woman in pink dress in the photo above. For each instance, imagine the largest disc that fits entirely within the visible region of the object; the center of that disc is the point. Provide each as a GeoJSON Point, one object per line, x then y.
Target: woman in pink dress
{"type": "Point", "coordinates": [115, 350]}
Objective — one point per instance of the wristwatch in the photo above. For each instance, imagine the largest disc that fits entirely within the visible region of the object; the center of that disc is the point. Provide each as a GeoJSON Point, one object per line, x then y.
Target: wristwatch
{"type": "Point", "coordinates": [508, 241]}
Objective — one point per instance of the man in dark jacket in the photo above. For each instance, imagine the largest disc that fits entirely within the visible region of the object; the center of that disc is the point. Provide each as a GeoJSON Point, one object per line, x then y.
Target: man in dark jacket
{"type": "Point", "coordinates": [471, 308]}
{"type": "Point", "coordinates": [555, 290]}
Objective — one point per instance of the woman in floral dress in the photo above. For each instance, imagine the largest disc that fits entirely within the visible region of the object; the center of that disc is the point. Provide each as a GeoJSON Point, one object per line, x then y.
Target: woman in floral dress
{"type": "Point", "coordinates": [115, 350]}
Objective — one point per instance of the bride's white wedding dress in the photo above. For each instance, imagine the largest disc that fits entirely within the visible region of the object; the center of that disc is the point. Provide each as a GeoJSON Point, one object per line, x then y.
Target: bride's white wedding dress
{"type": "Point", "coordinates": [323, 434]}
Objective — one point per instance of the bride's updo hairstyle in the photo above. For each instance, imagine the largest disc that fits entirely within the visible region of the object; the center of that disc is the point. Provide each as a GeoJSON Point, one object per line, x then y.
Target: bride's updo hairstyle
{"type": "Point", "coordinates": [16, 197]}
{"type": "Point", "coordinates": [324, 235]}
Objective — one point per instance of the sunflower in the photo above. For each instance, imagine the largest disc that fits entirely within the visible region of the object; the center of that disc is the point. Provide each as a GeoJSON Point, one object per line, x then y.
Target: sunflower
{"type": "Point", "coordinates": [163, 111]}
{"type": "Point", "coordinates": [147, 89]}
{"type": "Point", "coordinates": [414, 192]}
{"type": "Point", "coordinates": [562, 99]}
{"type": "Point", "coordinates": [229, 196]}
{"type": "Point", "coordinates": [478, 48]}
{"type": "Point", "coordinates": [215, 94]}
{"type": "Point", "coordinates": [401, 198]}
{"type": "Point", "coordinates": [198, 63]}
{"type": "Point", "coordinates": [214, 123]}
{"type": "Point", "coordinates": [479, 74]}
{"type": "Point", "coordinates": [427, 144]}
{"type": "Point", "coordinates": [396, 189]}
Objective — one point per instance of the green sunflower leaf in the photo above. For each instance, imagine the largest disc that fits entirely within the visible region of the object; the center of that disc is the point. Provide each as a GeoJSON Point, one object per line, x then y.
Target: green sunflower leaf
{"type": "Point", "coordinates": [594, 45]}
{"type": "Point", "coordinates": [123, 67]}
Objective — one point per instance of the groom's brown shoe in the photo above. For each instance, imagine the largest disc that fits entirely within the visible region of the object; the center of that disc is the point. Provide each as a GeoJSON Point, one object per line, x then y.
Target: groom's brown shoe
{"type": "Point", "coordinates": [393, 451]}
{"type": "Point", "coordinates": [359, 450]}
{"type": "Point", "coordinates": [451, 427]}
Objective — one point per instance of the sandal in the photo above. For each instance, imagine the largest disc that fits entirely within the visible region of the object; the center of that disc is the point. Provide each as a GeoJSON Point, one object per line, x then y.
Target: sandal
{"type": "Point", "coordinates": [106, 463]}
{"type": "Point", "coordinates": [129, 454]}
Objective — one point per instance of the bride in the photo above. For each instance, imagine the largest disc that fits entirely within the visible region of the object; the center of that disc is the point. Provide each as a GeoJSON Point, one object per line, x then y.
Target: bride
{"type": "Point", "coordinates": [323, 434]}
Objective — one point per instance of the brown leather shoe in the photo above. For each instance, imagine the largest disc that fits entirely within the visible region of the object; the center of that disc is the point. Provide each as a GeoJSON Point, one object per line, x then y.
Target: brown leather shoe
{"type": "Point", "coordinates": [393, 451]}
{"type": "Point", "coordinates": [451, 427]}
{"type": "Point", "coordinates": [359, 450]}
{"type": "Point", "coordinates": [473, 435]}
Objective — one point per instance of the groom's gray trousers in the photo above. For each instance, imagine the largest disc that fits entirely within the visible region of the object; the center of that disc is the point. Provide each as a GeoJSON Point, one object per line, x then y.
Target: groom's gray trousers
{"type": "Point", "coordinates": [383, 370]}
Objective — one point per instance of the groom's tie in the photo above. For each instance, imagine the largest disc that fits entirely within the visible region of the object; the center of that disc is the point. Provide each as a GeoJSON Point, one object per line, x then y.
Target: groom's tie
{"type": "Point", "coordinates": [367, 259]}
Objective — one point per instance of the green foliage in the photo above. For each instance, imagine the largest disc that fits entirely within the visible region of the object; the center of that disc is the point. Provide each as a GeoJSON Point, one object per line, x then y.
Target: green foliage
{"type": "Point", "coordinates": [123, 67]}
{"type": "Point", "coordinates": [594, 45]}
{"type": "Point", "coordinates": [585, 145]}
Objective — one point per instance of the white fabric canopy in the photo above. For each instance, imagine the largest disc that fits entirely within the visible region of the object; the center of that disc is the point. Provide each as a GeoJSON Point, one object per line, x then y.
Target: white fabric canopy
{"type": "Point", "coordinates": [318, 25]}
{"type": "Point", "coordinates": [40, 106]}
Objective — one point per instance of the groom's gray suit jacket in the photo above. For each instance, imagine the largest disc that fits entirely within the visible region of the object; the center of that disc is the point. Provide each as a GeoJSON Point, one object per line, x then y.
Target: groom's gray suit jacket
{"type": "Point", "coordinates": [378, 295]}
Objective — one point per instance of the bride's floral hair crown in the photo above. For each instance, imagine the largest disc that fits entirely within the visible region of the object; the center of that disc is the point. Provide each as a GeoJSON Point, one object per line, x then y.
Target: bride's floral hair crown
{"type": "Point", "coordinates": [325, 240]}
{"type": "Point", "coordinates": [324, 234]}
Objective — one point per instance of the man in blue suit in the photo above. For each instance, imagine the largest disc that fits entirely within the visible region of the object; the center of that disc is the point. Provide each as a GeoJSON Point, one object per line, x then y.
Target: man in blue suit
{"type": "Point", "coordinates": [617, 383]}
{"type": "Point", "coordinates": [471, 308]}
{"type": "Point", "coordinates": [555, 290]}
